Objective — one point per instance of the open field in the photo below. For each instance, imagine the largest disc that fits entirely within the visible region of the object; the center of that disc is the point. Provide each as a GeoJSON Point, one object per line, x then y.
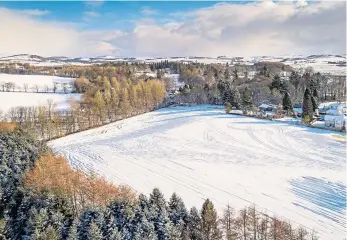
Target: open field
{"type": "Point", "coordinates": [38, 82]}
{"type": "Point", "coordinates": [22, 99]}
{"type": "Point", "coordinates": [293, 172]}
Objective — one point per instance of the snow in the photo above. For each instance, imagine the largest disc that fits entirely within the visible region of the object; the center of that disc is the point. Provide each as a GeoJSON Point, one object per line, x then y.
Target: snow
{"type": "Point", "coordinates": [293, 172]}
{"type": "Point", "coordinates": [21, 99]}
{"type": "Point", "coordinates": [39, 80]}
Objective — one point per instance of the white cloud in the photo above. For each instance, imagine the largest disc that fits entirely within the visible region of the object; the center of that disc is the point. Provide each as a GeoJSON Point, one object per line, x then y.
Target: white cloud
{"type": "Point", "coordinates": [24, 34]}
{"type": "Point", "coordinates": [89, 15]}
{"type": "Point", "coordinates": [148, 11]}
{"type": "Point", "coordinates": [34, 12]}
{"type": "Point", "coordinates": [258, 28]}
{"type": "Point", "coordinates": [92, 14]}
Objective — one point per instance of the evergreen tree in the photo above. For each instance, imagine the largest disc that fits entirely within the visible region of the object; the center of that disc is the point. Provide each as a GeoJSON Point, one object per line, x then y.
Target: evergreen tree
{"type": "Point", "coordinates": [90, 220]}
{"type": "Point", "coordinates": [236, 98]}
{"type": "Point", "coordinates": [158, 214]}
{"type": "Point", "coordinates": [194, 225]}
{"type": "Point", "coordinates": [235, 74]}
{"type": "Point", "coordinates": [18, 151]}
{"type": "Point", "coordinates": [279, 84]}
{"type": "Point", "coordinates": [73, 231]}
{"type": "Point", "coordinates": [209, 222]}
{"type": "Point", "coordinates": [178, 214]}
{"type": "Point", "coordinates": [174, 233]}
{"type": "Point", "coordinates": [287, 103]}
{"type": "Point", "coordinates": [122, 211]}
{"type": "Point", "coordinates": [116, 235]}
{"type": "Point", "coordinates": [177, 210]}
{"type": "Point", "coordinates": [227, 75]}
{"type": "Point", "coordinates": [247, 99]}
{"type": "Point", "coordinates": [307, 106]}
{"type": "Point", "coordinates": [314, 99]}
{"type": "Point", "coordinates": [139, 228]}
{"type": "Point", "coordinates": [50, 234]}
{"type": "Point", "coordinates": [94, 232]}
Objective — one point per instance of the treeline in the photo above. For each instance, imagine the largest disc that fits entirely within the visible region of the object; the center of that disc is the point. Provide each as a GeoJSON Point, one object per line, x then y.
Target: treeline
{"type": "Point", "coordinates": [46, 199]}
{"type": "Point", "coordinates": [104, 100]}
{"type": "Point", "coordinates": [269, 84]}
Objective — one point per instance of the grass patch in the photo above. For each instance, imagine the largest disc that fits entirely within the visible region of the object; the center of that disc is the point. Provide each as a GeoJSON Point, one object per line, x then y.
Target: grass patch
{"type": "Point", "coordinates": [340, 137]}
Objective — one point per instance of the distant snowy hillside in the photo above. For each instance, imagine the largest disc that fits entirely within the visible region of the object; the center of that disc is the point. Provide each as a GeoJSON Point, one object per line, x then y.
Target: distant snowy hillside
{"type": "Point", "coordinates": [324, 63]}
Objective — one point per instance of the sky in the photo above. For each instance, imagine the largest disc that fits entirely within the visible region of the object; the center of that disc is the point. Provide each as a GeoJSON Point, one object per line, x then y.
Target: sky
{"type": "Point", "coordinates": [177, 28]}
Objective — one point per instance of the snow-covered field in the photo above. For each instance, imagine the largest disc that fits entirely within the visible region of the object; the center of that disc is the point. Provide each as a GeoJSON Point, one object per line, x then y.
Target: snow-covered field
{"type": "Point", "coordinates": [293, 172]}
{"type": "Point", "coordinates": [37, 80]}
{"type": "Point", "coordinates": [20, 98]}
{"type": "Point", "coordinates": [9, 100]}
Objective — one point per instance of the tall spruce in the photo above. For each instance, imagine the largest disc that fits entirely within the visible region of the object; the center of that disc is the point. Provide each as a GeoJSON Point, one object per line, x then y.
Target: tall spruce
{"type": "Point", "coordinates": [287, 103]}
{"type": "Point", "coordinates": [314, 99]}
{"type": "Point", "coordinates": [307, 106]}
{"type": "Point", "coordinates": [158, 214]}
{"type": "Point", "coordinates": [194, 225]}
{"type": "Point", "coordinates": [247, 99]}
{"type": "Point", "coordinates": [236, 98]}
{"type": "Point", "coordinates": [178, 214]}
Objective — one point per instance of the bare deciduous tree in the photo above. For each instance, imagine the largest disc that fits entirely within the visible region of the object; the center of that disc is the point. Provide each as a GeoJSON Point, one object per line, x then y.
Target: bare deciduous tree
{"type": "Point", "coordinates": [35, 88]}
{"type": "Point", "coordinates": [25, 87]}
{"type": "Point", "coordinates": [46, 88]}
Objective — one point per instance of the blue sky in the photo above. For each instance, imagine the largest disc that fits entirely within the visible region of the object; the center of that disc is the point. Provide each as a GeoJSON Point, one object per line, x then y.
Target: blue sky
{"type": "Point", "coordinates": [108, 15]}
{"type": "Point", "coordinates": [178, 28]}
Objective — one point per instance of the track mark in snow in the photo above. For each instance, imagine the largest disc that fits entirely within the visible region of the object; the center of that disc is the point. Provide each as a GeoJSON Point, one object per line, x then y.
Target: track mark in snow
{"type": "Point", "coordinates": [200, 152]}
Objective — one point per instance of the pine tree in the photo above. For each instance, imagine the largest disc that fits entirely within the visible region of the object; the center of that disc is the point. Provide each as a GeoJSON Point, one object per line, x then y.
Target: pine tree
{"type": "Point", "coordinates": [177, 210]}
{"type": "Point", "coordinates": [108, 224]}
{"type": "Point", "coordinates": [139, 228]}
{"type": "Point", "coordinates": [287, 103]}
{"type": "Point", "coordinates": [247, 99]}
{"type": "Point", "coordinates": [158, 214]}
{"type": "Point", "coordinates": [174, 233]}
{"type": "Point", "coordinates": [209, 221]}
{"type": "Point", "coordinates": [314, 99]}
{"type": "Point", "coordinates": [236, 98]}
{"type": "Point", "coordinates": [50, 234]}
{"type": "Point", "coordinates": [227, 75]}
{"type": "Point", "coordinates": [73, 231]}
{"type": "Point", "coordinates": [94, 232]}
{"type": "Point", "coordinates": [178, 214]}
{"type": "Point", "coordinates": [279, 84]}
{"type": "Point", "coordinates": [307, 106]}
{"type": "Point", "coordinates": [116, 235]}
{"type": "Point", "coordinates": [194, 225]}
{"type": "Point", "coordinates": [89, 223]}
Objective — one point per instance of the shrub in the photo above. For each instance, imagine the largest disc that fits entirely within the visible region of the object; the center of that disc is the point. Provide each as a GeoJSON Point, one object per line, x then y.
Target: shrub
{"type": "Point", "coordinates": [227, 107]}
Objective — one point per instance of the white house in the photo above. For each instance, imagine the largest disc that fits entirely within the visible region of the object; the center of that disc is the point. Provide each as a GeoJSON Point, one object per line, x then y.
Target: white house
{"type": "Point", "coordinates": [336, 116]}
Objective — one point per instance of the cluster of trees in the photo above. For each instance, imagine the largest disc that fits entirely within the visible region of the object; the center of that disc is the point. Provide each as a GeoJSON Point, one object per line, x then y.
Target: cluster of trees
{"type": "Point", "coordinates": [104, 100]}
{"type": "Point", "coordinates": [11, 87]}
{"type": "Point", "coordinates": [46, 199]}
{"type": "Point", "coordinates": [310, 85]}
{"type": "Point", "coordinates": [221, 83]}
{"type": "Point", "coordinates": [202, 79]}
